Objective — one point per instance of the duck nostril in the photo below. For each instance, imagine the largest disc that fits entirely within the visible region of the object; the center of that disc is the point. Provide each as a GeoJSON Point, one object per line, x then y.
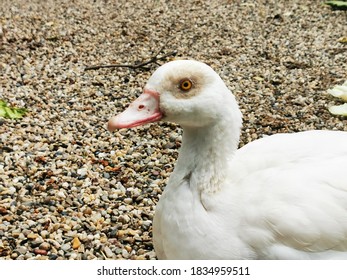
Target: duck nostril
{"type": "Point", "coordinates": [141, 107]}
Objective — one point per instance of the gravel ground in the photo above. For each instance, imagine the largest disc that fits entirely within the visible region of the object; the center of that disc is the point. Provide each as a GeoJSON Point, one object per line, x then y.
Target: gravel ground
{"type": "Point", "coordinates": [69, 189]}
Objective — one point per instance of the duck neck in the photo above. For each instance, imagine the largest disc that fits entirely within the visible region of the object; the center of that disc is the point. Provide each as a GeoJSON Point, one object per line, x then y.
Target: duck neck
{"type": "Point", "coordinates": [206, 153]}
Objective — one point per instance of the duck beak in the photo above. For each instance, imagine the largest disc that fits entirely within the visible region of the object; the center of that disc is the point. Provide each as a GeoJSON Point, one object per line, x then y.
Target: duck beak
{"type": "Point", "coordinates": [145, 109]}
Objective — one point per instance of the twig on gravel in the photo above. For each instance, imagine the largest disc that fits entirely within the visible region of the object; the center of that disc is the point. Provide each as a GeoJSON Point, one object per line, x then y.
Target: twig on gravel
{"type": "Point", "coordinates": [141, 65]}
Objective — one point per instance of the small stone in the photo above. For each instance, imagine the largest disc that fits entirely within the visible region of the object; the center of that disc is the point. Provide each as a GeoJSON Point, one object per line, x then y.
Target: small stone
{"type": "Point", "coordinates": [45, 246]}
{"type": "Point", "coordinates": [55, 243]}
{"type": "Point", "coordinates": [11, 190]}
{"type": "Point", "coordinates": [31, 223]}
{"type": "Point", "coordinates": [44, 234]}
{"type": "Point", "coordinates": [32, 236]}
{"type": "Point", "coordinates": [73, 256]}
{"type": "Point", "coordinates": [124, 219]}
{"type": "Point", "coordinates": [53, 256]}
{"type": "Point", "coordinates": [15, 234]}
{"type": "Point", "coordinates": [132, 232]}
{"type": "Point", "coordinates": [125, 254]}
{"type": "Point", "coordinates": [82, 236]}
{"type": "Point", "coordinates": [3, 210]}
{"type": "Point", "coordinates": [90, 237]}
{"type": "Point", "coordinates": [128, 200]}
{"type": "Point", "coordinates": [120, 233]}
{"type": "Point", "coordinates": [82, 172]}
{"type": "Point", "coordinates": [22, 250]}
{"type": "Point", "coordinates": [66, 247]}
{"type": "Point", "coordinates": [8, 218]}
{"type": "Point", "coordinates": [66, 227]}
{"type": "Point", "coordinates": [14, 255]}
{"type": "Point", "coordinates": [146, 224]}
{"type": "Point", "coordinates": [40, 252]}
{"type": "Point", "coordinates": [103, 239]}
{"type": "Point", "coordinates": [128, 248]}
{"type": "Point", "coordinates": [108, 252]}
{"type": "Point", "coordinates": [61, 194]}
{"type": "Point", "coordinates": [76, 243]}
{"type": "Point", "coordinates": [36, 242]}
{"type": "Point", "coordinates": [87, 211]}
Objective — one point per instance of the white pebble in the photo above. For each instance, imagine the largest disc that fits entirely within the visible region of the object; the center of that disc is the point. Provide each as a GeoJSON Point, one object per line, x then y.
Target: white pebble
{"type": "Point", "coordinates": [82, 171]}
{"type": "Point", "coordinates": [61, 194]}
{"type": "Point", "coordinates": [11, 190]}
{"type": "Point", "coordinates": [108, 252]}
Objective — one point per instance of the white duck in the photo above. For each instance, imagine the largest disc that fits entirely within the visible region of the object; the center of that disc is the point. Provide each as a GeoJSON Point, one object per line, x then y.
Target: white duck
{"type": "Point", "coordinates": [280, 197]}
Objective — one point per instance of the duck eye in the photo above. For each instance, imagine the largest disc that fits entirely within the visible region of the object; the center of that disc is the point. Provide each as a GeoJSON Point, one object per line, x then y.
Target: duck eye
{"type": "Point", "coordinates": [186, 84]}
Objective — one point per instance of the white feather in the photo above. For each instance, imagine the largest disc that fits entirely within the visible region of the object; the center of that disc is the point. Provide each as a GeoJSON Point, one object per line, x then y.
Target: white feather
{"type": "Point", "coordinates": [280, 197]}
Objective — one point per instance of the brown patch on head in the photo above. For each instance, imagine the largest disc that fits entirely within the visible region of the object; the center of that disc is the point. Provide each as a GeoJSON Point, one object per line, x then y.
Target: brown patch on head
{"type": "Point", "coordinates": [182, 79]}
{"type": "Point", "coordinates": [185, 86]}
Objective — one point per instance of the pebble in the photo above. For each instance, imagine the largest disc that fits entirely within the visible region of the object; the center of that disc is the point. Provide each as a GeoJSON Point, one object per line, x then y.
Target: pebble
{"type": "Point", "coordinates": [3, 211]}
{"type": "Point", "coordinates": [82, 172]}
{"type": "Point", "coordinates": [22, 250]}
{"type": "Point", "coordinates": [40, 251]}
{"type": "Point", "coordinates": [103, 239]}
{"type": "Point", "coordinates": [44, 234]}
{"type": "Point", "coordinates": [125, 254]}
{"type": "Point", "coordinates": [55, 243]}
{"type": "Point", "coordinates": [36, 242]}
{"type": "Point", "coordinates": [128, 200]}
{"type": "Point", "coordinates": [32, 236]}
{"type": "Point", "coordinates": [76, 243]}
{"type": "Point", "coordinates": [61, 194]}
{"type": "Point", "coordinates": [73, 256]}
{"type": "Point", "coordinates": [45, 246]}
{"type": "Point", "coordinates": [108, 252]}
{"type": "Point", "coordinates": [69, 189]}
{"type": "Point", "coordinates": [66, 247]}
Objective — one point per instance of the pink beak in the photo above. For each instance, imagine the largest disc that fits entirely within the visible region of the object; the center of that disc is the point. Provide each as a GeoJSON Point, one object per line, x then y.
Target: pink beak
{"type": "Point", "coordinates": [144, 109]}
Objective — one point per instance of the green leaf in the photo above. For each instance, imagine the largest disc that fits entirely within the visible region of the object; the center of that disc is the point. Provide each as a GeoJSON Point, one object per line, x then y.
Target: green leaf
{"type": "Point", "coordinates": [2, 112]}
{"type": "Point", "coordinates": [337, 5]}
{"type": "Point", "coordinates": [11, 112]}
{"type": "Point", "coordinates": [2, 103]}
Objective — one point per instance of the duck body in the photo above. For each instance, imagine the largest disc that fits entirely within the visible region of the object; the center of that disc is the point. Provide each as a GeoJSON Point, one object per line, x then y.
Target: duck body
{"type": "Point", "coordinates": [288, 207]}
{"type": "Point", "coordinates": [279, 197]}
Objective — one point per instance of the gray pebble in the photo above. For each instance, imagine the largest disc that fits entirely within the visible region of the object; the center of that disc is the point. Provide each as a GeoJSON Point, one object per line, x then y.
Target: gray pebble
{"type": "Point", "coordinates": [108, 252]}
{"type": "Point", "coordinates": [66, 247]}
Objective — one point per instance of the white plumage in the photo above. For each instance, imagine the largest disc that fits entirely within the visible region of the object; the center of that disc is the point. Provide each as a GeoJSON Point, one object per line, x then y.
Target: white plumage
{"type": "Point", "coordinates": [280, 197]}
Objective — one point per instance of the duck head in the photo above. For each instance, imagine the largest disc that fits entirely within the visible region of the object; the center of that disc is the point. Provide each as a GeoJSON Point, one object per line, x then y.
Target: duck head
{"type": "Point", "coordinates": [186, 92]}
